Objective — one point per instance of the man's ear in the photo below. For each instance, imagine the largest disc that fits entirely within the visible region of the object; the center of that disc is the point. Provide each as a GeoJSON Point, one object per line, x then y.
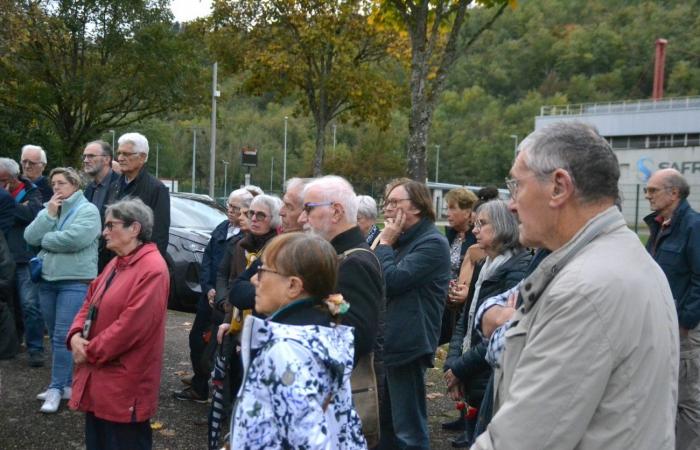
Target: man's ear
{"type": "Point", "coordinates": [338, 212]}
{"type": "Point", "coordinates": [562, 187]}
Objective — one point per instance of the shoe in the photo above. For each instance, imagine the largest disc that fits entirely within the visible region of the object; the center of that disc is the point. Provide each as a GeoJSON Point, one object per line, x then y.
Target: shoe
{"type": "Point", "coordinates": [459, 424]}
{"type": "Point", "coordinates": [189, 394]}
{"type": "Point", "coordinates": [187, 381]}
{"type": "Point", "coordinates": [53, 399]}
{"type": "Point", "coordinates": [466, 439]}
{"type": "Point", "coordinates": [36, 359]}
{"type": "Point", "coordinates": [66, 394]}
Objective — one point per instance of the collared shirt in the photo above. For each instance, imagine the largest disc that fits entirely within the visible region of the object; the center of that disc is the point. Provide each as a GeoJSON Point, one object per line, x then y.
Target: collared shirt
{"type": "Point", "coordinates": [232, 231]}
{"type": "Point", "coordinates": [99, 193]}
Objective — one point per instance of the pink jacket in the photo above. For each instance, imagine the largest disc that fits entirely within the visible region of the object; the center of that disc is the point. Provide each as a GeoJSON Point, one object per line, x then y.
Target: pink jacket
{"type": "Point", "coordinates": [121, 380]}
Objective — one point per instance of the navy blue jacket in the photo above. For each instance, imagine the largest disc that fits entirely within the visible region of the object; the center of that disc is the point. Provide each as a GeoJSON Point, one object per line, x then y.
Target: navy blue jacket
{"type": "Point", "coordinates": [7, 211]}
{"type": "Point", "coordinates": [25, 212]}
{"type": "Point", "coordinates": [416, 274]}
{"type": "Point", "coordinates": [212, 256]}
{"type": "Point", "coordinates": [678, 254]}
{"type": "Point", "coordinates": [42, 183]}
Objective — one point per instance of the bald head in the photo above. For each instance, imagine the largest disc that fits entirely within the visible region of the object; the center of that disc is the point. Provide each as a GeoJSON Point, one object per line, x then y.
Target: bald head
{"type": "Point", "coordinates": [665, 190]}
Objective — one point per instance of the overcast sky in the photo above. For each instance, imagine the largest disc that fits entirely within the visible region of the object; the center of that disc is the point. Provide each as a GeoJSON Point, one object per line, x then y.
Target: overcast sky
{"type": "Point", "coordinates": [185, 10]}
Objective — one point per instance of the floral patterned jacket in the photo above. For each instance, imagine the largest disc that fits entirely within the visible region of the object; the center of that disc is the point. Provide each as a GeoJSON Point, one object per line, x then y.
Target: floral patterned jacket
{"type": "Point", "coordinates": [296, 392]}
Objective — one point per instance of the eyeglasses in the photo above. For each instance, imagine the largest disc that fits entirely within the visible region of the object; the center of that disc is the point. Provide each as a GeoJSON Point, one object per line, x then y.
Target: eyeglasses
{"type": "Point", "coordinates": [654, 190]}
{"type": "Point", "coordinates": [90, 157]}
{"type": "Point", "coordinates": [262, 270]}
{"type": "Point", "coordinates": [309, 206]}
{"type": "Point", "coordinates": [479, 224]}
{"type": "Point", "coordinates": [258, 215]}
{"type": "Point", "coordinates": [110, 225]}
{"type": "Point", "coordinates": [126, 154]}
{"type": "Point", "coordinates": [394, 202]}
{"type": "Point", "coordinates": [233, 209]}
{"type": "Point", "coordinates": [26, 162]}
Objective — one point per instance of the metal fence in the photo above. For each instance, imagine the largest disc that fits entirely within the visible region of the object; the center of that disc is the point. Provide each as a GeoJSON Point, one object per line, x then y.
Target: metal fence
{"type": "Point", "coordinates": [635, 207]}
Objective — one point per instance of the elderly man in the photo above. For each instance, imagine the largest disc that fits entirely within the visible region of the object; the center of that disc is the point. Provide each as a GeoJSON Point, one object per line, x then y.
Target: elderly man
{"type": "Point", "coordinates": [292, 204]}
{"type": "Point", "coordinates": [675, 245]}
{"type": "Point", "coordinates": [415, 259]}
{"type": "Point", "coordinates": [591, 355]}
{"type": "Point", "coordinates": [330, 210]}
{"type": "Point", "coordinates": [135, 181]}
{"type": "Point", "coordinates": [33, 162]}
{"type": "Point", "coordinates": [27, 200]}
{"type": "Point", "coordinates": [367, 217]}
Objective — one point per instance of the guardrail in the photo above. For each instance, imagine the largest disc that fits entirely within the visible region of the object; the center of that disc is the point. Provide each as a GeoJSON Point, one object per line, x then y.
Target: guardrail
{"type": "Point", "coordinates": [621, 106]}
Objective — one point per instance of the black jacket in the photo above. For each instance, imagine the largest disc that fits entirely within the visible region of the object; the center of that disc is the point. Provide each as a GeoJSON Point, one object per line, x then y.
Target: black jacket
{"type": "Point", "coordinates": [24, 214]}
{"type": "Point", "coordinates": [471, 366]}
{"type": "Point", "coordinates": [7, 270]}
{"type": "Point", "coordinates": [7, 212]}
{"type": "Point", "coordinates": [42, 183]}
{"type": "Point", "coordinates": [360, 281]}
{"type": "Point", "coordinates": [109, 181]}
{"type": "Point", "coordinates": [154, 194]}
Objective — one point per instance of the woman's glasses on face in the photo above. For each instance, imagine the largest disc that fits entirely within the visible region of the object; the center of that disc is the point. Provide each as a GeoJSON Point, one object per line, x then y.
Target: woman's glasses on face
{"type": "Point", "coordinates": [110, 224]}
{"type": "Point", "coordinates": [258, 215]}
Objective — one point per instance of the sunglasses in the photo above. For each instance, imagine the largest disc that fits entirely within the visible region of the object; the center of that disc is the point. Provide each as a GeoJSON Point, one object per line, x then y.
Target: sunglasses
{"type": "Point", "coordinates": [258, 215]}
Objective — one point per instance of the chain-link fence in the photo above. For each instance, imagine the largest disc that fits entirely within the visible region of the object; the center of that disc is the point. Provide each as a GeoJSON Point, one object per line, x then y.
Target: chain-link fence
{"type": "Point", "coordinates": [635, 207]}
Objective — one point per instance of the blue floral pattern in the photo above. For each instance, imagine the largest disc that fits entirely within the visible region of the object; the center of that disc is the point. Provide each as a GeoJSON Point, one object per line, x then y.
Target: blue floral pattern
{"type": "Point", "coordinates": [296, 393]}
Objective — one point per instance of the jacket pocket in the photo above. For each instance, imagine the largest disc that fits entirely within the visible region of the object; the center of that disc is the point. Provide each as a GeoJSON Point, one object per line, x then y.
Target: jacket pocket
{"type": "Point", "coordinates": [670, 258]}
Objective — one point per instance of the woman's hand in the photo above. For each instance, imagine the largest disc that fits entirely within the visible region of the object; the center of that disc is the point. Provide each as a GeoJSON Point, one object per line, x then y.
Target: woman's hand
{"type": "Point", "coordinates": [78, 346]}
{"type": "Point", "coordinates": [211, 296]}
{"type": "Point", "coordinates": [454, 387]}
{"type": "Point", "coordinates": [223, 328]}
{"type": "Point", "coordinates": [392, 229]}
{"type": "Point", "coordinates": [53, 205]}
{"type": "Point", "coordinates": [458, 293]}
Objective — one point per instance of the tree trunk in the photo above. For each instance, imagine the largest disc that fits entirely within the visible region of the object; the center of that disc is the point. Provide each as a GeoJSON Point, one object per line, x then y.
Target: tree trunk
{"type": "Point", "coordinates": [418, 126]}
{"type": "Point", "coordinates": [320, 148]}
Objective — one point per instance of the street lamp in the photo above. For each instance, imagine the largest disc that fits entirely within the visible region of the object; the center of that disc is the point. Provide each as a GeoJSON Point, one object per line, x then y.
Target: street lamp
{"type": "Point", "coordinates": [225, 163]}
{"type": "Point", "coordinates": [194, 154]}
{"type": "Point", "coordinates": [437, 162]}
{"type": "Point", "coordinates": [113, 149]}
{"type": "Point", "coordinates": [334, 127]}
{"type": "Point", "coordinates": [515, 144]}
{"type": "Point", "coordinates": [284, 161]}
{"type": "Point", "coordinates": [157, 156]}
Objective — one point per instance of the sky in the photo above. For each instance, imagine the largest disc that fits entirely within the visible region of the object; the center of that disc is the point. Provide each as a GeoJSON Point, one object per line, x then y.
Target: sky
{"type": "Point", "coordinates": [186, 10]}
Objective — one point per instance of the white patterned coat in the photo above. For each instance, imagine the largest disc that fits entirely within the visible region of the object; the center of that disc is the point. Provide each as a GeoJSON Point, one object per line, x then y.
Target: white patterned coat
{"type": "Point", "coordinates": [289, 382]}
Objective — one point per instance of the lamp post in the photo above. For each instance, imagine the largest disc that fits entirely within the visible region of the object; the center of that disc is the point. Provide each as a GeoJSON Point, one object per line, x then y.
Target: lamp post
{"type": "Point", "coordinates": [157, 157]}
{"type": "Point", "coordinates": [212, 148]}
{"type": "Point", "coordinates": [194, 154]}
{"type": "Point", "coordinates": [515, 144]}
{"type": "Point", "coordinates": [225, 163]}
{"type": "Point", "coordinates": [272, 172]}
{"type": "Point", "coordinates": [113, 149]}
{"type": "Point", "coordinates": [334, 127]}
{"type": "Point", "coordinates": [284, 161]}
{"type": "Point", "coordinates": [437, 162]}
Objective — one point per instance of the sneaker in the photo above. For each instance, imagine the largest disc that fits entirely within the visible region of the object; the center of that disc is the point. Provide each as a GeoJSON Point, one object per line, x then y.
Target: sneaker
{"type": "Point", "coordinates": [53, 399]}
{"type": "Point", "coordinates": [66, 394]}
{"type": "Point", "coordinates": [189, 394]}
{"type": "Point", "coordinates": [36, 359]}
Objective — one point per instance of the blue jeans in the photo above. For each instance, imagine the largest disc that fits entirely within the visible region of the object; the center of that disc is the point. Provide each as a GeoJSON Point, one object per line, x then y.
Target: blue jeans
{"type": "Point", "coordinates": [60, 303]}
{"type": "Point", "coordinates": [28, 294]}
{"type": "Point", "coordinates": [404, 419]}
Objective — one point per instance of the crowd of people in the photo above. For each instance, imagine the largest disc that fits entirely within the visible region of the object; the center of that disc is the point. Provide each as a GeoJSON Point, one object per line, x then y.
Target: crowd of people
{"type": "Point", "coordinates": [316, 325]}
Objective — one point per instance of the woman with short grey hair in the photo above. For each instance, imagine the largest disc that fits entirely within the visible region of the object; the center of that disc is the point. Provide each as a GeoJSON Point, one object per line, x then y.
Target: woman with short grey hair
{"type": "Point", "coordinates": [466, 370]}
{"type": "Point", "coordinates": [367, 217]}
{"type": "Point", "coordinates": [272, 204]}
{"type": "Point", "coordinates": [134, 210]}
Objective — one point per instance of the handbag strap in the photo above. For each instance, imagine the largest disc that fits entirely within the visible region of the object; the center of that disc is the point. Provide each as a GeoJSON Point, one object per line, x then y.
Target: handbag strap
{"type": "Point", "coordinates": [70, 213]}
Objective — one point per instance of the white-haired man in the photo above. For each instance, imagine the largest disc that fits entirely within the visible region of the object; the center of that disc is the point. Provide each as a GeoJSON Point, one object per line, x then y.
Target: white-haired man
{"type": "Point", "coordinates": [135, 181]}
{"type": "Point", "coordinates": [292, 204]}
{"type": "Point", "coordinates": [33, 160]}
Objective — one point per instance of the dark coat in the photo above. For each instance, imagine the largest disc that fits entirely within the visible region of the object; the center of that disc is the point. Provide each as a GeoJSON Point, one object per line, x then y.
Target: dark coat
{"type": "Point", "coordinates": [42, 183]}
{"type": "Point", "coordinates": [154, 194]}
{"type": "Point", "coordinates": [25, 212]}
{"type": "Point", "coordinates": [109, 181]}
{"type": "Point", "coordinates": [471, 366]}
{"type": "Point", "coordinates": [7, 212]}
{"type": "Point", "coordinates": [360, 282]}
{"type": "Point", "coordinates": [678, 253]}
{"type": "Point", "coordinates": [213, 254]}
{"type": "Point", "coordinates": [416, 275]}
{"type": "Point", "coordinates": [469, 240]}
{"type": "Point", "coordinates": [7, 271]}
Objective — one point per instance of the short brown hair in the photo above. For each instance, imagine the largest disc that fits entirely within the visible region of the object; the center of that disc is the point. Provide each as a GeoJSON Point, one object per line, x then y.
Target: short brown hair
{"type": "Point", "coordinates": [70, 175]}
{"type": "Point", "coordinates": [463, 198]}
{"type": "Point", "coordinates": [306, 256]}
{"type": "Point", "coordinates": [418, 194]}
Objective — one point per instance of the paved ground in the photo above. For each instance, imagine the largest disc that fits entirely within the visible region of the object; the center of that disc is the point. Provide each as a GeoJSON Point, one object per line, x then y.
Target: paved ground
{"type": "Point", "coordinates": [178, 425]}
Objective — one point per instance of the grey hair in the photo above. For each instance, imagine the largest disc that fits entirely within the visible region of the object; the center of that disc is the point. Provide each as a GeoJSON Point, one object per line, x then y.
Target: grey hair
{"type": "Point", "coordinates": [104, 146]}
{"type": "Point", "coordinates": [254, 190]}
{"type": "Point", "coordinates": [243, 195]}
{"type": "Point", "coordinates": [132, 210]}
{"type": "Point", "coordinates": [337, 189]}
{"type": "Point", "coordinates": [366, 207]}
{"type": "Point", "coordinates": [577, 148]}
{"type": "Point", "coordinates": [504, 224]}
{"type": "Point", "coordinates": [675, 180]}
{"type": "Point", "coordinates": [273, 204]}
{"type": "Point", "coordinates": [10, 166]}
{"type": "Point", "coordinates": [138, 140]}
{"type": "Point", "coordinates": [42, 153]}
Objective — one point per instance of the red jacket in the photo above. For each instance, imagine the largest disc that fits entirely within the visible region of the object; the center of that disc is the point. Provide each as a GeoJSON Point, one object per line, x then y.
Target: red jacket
{"type": "Point", "coordinates": [121, 379]}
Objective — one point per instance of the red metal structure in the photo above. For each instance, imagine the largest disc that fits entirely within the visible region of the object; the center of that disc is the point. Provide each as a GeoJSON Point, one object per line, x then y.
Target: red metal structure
{"type": "Point", "coordinates": [659, 66]}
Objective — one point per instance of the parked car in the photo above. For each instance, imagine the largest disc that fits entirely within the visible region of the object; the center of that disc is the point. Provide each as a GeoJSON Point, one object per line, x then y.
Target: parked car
{"type": "Point", "coordinates": [192, 219]}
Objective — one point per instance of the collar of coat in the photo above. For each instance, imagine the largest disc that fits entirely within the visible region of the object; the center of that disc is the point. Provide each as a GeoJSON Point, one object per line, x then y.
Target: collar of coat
{"type": "Point", "coordinates": [348, 239]}
{"type": "Point", "coordinates": [532, 287]}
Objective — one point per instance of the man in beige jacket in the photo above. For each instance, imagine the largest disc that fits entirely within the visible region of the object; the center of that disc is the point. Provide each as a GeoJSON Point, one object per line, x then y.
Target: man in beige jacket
{"type": "Point", "coordinates": [591, 355]}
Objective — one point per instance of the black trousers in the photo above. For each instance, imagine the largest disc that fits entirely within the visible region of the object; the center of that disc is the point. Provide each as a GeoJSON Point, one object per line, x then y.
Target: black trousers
{"type": "Point", "coordinates": [103, 434]}
{"type": "Point", "coordinates": [201, 361]}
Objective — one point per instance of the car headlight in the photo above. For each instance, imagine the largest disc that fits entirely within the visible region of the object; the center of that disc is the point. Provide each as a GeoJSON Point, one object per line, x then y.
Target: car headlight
{"type": "Point", "coordinates": [193, 246]}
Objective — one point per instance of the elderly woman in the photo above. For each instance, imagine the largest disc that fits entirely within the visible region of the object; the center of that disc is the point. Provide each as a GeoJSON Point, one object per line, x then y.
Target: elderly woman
{"type": "Point", "coordinates": [117, 338]}
{"type": "Point", "coordinates": [367, 217]}
{"type": "Point", "coordinates": [466, 370]}
{"type": "Point", "coordinates": [67, 231]}
{"type": "Point", "coordinates": [297, 362]}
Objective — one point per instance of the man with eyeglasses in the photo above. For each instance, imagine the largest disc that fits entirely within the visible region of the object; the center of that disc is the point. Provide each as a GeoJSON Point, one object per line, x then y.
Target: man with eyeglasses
{"type": "Point", "coordinates": [97, 164]}
{"type": "Point", "coordinates": [591, 353]}
{"type": "Point", "coordinates": [33, 160]}
{"type": "Point", "coordinates": [135, 181]}
{"type": "Point", "coordinates": [674, 243]}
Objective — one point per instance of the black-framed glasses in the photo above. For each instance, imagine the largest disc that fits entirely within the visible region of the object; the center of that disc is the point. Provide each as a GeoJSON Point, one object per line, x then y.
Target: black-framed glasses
{"type": "Point", "coordinates": [262, 270]}
{"type": "Point", "coordinates": [309, 206]}
{"type": "Point", "coordinates": [258, 215]}
{"type": "Point", "coordinates": [110, 224]}
{"type": "Point", "coordinates": [394, 202]}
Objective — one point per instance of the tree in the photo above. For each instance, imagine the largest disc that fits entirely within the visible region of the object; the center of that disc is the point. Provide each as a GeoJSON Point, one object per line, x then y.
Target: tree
{"type": "Point", "coordinates": [434, 33]}
{"type": "Point", "coordinates": [84, 66]}
{"type": "Point", "coordinates": [322, 52]}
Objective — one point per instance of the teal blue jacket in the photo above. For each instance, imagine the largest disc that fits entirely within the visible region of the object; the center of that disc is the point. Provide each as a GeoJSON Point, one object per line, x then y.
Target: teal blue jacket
{"type": "Point", "coordinates": [69, 253]}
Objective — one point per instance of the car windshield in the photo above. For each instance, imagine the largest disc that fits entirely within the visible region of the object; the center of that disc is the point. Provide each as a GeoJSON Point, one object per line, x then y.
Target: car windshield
{"type": "Point", "coordinates": [188, 213]}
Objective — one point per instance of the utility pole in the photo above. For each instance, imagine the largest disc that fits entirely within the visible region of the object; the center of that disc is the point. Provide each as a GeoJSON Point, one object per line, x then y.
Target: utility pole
{"type": "Point", "coordinates": [515, 144]}
{"type": "Point", "coordinates": [272, 171]}
{"type": "Point", "coordinates": [212, 149]}
{"type": "Point", "coordinates": [225, 163]}
{"type": "Point", "coordinates": [114, 150]}
{"type": "Point", "coordinates": [437, 162]}
{"type": "Point", "coordinates": [194, 154]}
{"type": "Point", "coordinates": [157, 156]}
{"type": "Point", "coordinates": [284, 161]}
{"type": "Point", "coordinates": [334, 137]}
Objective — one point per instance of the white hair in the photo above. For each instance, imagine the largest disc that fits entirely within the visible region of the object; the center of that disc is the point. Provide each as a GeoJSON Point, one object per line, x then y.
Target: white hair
{"type": "Point", "coordinates": [254, 190]}
{"type": "Point", "coordinates": [241, 194]}
{"type": "Point", "coordinates": [138, 140]}
{"type": "Point", "coordinates": [366, 207]}
{"type": "Point", "coordinates": [42, 153]}
{"type": "Point", "coordinates": [273, 204]}
{"type": "Point", "coordinates": [10, 166]}
{"type": "Point", "coordinates": [337, 189]}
